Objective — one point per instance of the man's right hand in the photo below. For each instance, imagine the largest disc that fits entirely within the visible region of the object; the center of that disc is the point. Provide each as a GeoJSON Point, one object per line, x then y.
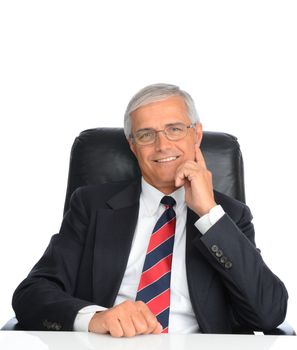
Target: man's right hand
{"type": "Point", "coordinates": [126, 320]}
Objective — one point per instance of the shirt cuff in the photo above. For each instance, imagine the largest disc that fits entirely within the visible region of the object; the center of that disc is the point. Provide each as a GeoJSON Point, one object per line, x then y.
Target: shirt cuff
{"type": "Point", "coordinates": [208, 220]}
{"type": "Point", "coordinates": [84, 316]}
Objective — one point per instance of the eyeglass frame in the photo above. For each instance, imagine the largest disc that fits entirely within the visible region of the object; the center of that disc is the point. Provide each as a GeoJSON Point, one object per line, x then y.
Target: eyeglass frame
{"type": "Point", "coordinates": [132, 137]}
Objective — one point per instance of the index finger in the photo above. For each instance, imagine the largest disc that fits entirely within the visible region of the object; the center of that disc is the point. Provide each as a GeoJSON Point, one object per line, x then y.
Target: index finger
{"type": "Point", "coordinates": [199, 156]}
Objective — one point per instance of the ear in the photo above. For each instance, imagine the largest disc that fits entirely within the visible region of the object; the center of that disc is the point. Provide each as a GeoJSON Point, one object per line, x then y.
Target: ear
{"type": "Point", "coordinates": [198, 133]}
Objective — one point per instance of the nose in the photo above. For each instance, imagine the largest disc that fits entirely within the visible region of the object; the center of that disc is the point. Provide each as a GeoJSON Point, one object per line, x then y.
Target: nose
{"type": "Point", "coordinates": [162, 141]}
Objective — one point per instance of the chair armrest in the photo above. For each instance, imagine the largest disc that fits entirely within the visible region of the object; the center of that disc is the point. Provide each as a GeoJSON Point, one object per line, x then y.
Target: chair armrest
{"type": "Point", "coordinates": [11, 325]}
{"type": "Point", "coordinates": [283, 329]}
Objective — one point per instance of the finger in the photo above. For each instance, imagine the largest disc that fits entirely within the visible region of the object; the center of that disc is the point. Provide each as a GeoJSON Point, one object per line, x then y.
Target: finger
{"type": "Point", "coordinates": [199, 156]}
{"type": "Point", "coordinates": [158, 329]}
{"type": "Point", "coordinates": [179, 179]}
{"type": "Point", "coordinates": [127, 326]}
{"type": "Point", "coordinates": [150, 318]}
{"type": "Point", "coordinates": [180, 175]}
{"type": "Point", "coordinates": [115, 329]}
{"type": "Point", "coordinates": [185, 173]}
{"type": "Point", "coordinates": [140, 324]}
{"type": "Point", "coordinates": [152, 326]}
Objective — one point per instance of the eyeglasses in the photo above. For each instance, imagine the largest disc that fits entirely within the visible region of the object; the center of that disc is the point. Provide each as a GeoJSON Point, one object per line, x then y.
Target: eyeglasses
{"type": "Point", "coordinates": [173, 132]}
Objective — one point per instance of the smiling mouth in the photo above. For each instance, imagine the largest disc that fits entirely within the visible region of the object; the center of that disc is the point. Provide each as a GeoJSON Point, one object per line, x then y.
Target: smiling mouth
{"type": "Point", "coordinates": [165, 160]}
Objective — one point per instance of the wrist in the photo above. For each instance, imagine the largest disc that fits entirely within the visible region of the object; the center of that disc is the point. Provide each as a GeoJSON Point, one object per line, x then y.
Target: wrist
{"type": "Point", "coordinates": [205, 222]}
{"type": "Point", "coordinates": [205, 209]}
{"type": "Point", "coordinates": [95, 324]}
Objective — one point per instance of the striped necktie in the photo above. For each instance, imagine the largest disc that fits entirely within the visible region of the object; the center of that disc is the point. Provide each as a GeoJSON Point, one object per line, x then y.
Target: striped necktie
{"type": "Point", "coordinates": [154, 285]}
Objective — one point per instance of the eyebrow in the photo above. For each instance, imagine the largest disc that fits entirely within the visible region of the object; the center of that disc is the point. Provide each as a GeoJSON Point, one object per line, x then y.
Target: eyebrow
{"type": "Point", "coordinates": [169, 124]}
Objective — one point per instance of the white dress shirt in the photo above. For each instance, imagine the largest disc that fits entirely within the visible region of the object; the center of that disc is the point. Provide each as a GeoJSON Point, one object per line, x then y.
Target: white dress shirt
{"type": "Point", "coordinates": [181, 317]}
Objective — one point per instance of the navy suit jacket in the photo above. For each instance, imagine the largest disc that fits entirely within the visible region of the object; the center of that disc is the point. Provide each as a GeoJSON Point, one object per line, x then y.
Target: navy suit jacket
{"type": "Point", "coordinates": [231, 288]}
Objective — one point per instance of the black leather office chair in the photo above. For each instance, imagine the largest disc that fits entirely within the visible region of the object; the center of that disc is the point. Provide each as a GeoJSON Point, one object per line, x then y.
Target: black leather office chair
{"type": "Point", "coordinates": [103, 155]}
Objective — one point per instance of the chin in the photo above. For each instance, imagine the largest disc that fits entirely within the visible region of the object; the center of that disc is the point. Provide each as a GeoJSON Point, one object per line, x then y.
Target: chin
{"type": "Point", "coordinates": [165, 183]}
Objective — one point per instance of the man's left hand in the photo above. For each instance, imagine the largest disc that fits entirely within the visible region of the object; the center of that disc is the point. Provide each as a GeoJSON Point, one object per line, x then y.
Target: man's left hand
{"type": "Point", "coordinates": [197, 180]}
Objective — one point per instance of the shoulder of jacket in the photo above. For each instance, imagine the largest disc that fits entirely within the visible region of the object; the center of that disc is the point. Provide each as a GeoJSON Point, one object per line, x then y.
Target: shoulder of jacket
{"type": "Point", "coordinates": [98, 194]}
{"type": "Point", "coordinates": [233, 207]}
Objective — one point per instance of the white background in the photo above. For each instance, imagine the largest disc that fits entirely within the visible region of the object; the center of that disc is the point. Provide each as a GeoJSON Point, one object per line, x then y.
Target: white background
{"type": "Point", "coordinates": [66, 66]}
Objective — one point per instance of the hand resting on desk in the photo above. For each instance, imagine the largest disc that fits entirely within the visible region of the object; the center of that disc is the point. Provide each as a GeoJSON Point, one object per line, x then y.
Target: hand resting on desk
{"type": "Point", "coordinates": [125, 320]}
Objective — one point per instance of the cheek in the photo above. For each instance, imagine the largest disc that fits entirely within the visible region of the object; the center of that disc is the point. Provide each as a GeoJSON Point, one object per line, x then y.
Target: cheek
{"type": "Point", "coordinates": [190, 151]}
{"type": "Point", "coordinates": [142, 157]}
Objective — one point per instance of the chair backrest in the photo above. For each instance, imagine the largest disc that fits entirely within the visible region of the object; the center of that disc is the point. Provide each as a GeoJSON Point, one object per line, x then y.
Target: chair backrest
{"type": "Point", "coordinates": [102, 155]}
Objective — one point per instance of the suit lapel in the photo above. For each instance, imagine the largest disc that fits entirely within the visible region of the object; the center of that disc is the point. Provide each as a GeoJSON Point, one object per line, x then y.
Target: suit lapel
{"type": "Point", "coordinates": [114, 234]}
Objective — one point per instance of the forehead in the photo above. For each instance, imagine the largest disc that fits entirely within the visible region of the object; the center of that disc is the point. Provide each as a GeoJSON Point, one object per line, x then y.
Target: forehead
{"type": "Point", "coordinates": [158, 114]}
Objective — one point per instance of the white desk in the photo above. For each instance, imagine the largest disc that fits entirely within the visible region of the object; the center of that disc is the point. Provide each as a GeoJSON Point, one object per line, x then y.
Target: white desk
{"type": "Point", "coordinates": [21, 340]}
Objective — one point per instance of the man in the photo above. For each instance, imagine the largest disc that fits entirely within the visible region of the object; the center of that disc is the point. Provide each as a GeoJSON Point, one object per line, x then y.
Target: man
{"type": "Point", "coordinates": [163, 254]}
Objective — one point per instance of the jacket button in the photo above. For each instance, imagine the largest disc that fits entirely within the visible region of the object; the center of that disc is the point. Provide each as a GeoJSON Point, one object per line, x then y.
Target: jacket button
{"type": "Point", "coordinates": [228, 265]}
{"type": "Point", "coordinates": [214, 248]}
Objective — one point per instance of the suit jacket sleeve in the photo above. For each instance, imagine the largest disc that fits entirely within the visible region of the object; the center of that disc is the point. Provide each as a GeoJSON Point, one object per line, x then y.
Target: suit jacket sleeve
{"type": "Point", "coordinates": [44, 300]}
{"type": "Point", "coordinates": [257, 296]}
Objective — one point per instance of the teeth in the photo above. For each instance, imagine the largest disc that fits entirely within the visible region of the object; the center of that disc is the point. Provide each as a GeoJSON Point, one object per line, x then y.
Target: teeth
{"type": "Point", "coordinates": [166, 159]}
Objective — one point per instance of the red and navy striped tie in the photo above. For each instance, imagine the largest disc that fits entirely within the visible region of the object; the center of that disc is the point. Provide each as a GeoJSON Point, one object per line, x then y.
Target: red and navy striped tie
{"type": "Point", "coordinates": [154, 285]}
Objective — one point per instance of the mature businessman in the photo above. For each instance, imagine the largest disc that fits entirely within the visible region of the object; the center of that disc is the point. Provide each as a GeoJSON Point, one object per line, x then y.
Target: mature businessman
{"type": "Point", "coordinates": [165, 253]}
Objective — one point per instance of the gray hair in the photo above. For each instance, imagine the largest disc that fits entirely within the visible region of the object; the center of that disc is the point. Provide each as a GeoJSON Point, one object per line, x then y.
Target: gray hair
{"type": "Point", "coordinates": [154, 93]}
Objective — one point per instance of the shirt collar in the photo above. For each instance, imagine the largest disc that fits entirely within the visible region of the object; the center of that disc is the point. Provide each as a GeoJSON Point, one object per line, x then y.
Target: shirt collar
{"type": "Point", "coordinates": [151, 197]}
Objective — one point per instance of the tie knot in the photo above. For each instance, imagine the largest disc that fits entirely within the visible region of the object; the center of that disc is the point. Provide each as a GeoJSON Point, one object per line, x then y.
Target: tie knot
{"type": "Point", "coordinates": [169, 201]}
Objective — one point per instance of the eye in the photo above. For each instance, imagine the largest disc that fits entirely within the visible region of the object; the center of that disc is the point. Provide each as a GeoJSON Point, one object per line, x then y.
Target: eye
{"type": "Point", "coordinates": [175, 129]}
{"type": "Point", "coordinates": [146, 135]}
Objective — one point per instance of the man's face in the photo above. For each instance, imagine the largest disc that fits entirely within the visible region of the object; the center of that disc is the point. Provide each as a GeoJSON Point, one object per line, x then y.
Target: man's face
{"type": "Point", "coordinates": [159, 161]}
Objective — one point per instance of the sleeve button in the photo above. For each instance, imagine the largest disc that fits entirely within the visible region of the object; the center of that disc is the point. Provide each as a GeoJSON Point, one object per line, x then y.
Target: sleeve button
{"type": "Point", "coordinates": [223, 259]}
{"type": "Point", "coordinates": [228, 265]}
{"type": "Point", "coordinates": [214, 248]}
{"type": "Point", "coordinates": [219, 253]}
